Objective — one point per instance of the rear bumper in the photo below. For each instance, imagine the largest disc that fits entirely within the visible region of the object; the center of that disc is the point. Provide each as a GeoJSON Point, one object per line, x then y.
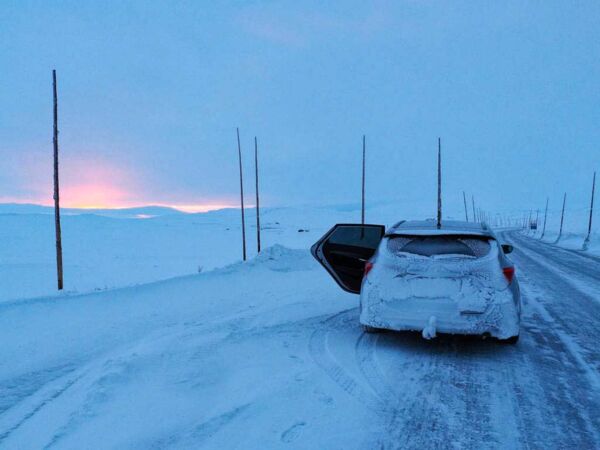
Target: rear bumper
{"type": "Point", "coordinates": [500, 318]}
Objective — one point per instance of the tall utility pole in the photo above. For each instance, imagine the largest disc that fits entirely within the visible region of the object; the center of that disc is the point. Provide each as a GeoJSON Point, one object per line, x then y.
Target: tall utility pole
{"type": "Point", "coordinates": [362, 214]}
{"type": "Point", "coordinates": [562, 218]}
{"type": "Point", "coordinates": [587, 239]}
{"type": "Point", "coordinates": [466, 210]}
{"type": "Point", "coordinates": [257, 201]}
{"type": "Point", "coordinates": [439, 187]}
{"type": "Point", "coordinates": [545, 218]}
{"type": "Point", "coordinates": [242, 196]}
{"type": "Point", "coordinates": [59, 261]}
{"type": "Point", "coordinates": [474, 215]}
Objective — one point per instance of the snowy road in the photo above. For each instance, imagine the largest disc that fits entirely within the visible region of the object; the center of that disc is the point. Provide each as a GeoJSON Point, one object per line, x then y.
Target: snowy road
{"type": "Point", "coordinates": [270, 355]}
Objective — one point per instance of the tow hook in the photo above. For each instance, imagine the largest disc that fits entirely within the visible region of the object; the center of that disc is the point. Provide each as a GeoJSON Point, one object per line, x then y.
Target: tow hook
{"type": "Point", "coordinates": [429, 332]}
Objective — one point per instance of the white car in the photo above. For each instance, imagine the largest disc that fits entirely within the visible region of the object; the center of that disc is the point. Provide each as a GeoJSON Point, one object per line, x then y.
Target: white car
{"type": "Point", "coordinates": [453, 279]}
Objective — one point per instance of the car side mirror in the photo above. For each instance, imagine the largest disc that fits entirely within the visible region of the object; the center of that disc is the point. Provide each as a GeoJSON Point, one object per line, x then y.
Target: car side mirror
{"type": "Point", "coordinates": [507, 248]}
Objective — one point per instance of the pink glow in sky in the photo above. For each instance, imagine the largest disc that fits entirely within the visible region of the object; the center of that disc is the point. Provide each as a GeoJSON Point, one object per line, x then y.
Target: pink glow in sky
{"type": "Point", "coordinates": [92, 183]}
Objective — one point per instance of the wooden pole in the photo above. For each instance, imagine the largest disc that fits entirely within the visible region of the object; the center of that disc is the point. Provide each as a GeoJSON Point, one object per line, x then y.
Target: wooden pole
{"type": "Point", "coordinates": [362, 215]}
{"type": "Point", "coordinates": [562, 217]}
{"type": "Point", "coordinates": [587, 239]}
{"type": "Point", "coordinates": [59, 259]}
{"type": "Point", "coordinates": [545, 218]}
{"type": "Point", "coordinates": [439, 187]}
{"type": "Point", "coordinates": [242, 196]}
{"type": "Point", "coordinates": [257, 196]}
{"type": "Point", "coordinates": [466, 210]}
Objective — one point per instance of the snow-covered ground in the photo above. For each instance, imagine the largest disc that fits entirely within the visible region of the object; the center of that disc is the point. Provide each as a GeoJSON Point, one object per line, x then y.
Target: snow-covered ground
{"type": "Point", "coordinates": [103, 252]}
{"type": "Point", "coordinates": [116, 248]}
{"type": "Point", "coordinates": [173, 364]}
{"type": "Point", "coordinates": [269, 353]}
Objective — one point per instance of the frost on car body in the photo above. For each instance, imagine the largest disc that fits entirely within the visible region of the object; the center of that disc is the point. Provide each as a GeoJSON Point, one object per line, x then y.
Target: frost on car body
{"type": "Point", "coordinates": [466, 294]}
{"type": "Point", "coordinates": [451, 280]}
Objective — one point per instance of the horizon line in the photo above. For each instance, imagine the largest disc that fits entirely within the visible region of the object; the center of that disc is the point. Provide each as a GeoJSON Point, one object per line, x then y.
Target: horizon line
{"type": "Point", "coordinates": [183, 208]}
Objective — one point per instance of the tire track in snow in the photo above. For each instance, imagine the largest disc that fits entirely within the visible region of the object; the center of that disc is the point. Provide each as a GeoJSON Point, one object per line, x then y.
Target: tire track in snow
{"type": "Point", "coordinates": [410, 406]}
{"type": "Point", "coordinates": [407, 405]}
{"type": "Point", "coordinates": [554, 408]}
{"type": "Point", "coordinates": [565, 307]}
{"type": "Point", "coordinates": [322, 355]}
{"type": "Point", "coordinates": [577, 264]}
{"type": "Point", "coordinates": [31, 406]}
{"type": "Point", "coordinates": [199, 434]}
{"type": "Point", "coordinates": [18, 388]}
{"type": "Point", "coordinates": [566, 251]}
{"type": "Point", "coordinates": [454, 394]}
{"type": "Point", "coordinates": [561, 323]}
{"type": "Point", "coordinates": [460, 392]}
{"type": "Point", "coordinates": [55, 389]}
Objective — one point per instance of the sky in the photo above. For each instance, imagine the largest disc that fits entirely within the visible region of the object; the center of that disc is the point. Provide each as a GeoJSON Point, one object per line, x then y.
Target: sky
{"type": "Point", "coordinates": [151, 93]}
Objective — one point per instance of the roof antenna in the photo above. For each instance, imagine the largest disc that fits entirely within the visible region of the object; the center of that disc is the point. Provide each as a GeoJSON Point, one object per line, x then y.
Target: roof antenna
{"type": "Point", "coordinates": [439, 186]}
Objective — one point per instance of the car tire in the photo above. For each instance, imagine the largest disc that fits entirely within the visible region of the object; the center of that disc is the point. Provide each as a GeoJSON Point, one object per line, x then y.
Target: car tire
{"type": "Point", "coordinates": [371, 330]}
{"type": "Point", "coordinates": [511, 340]}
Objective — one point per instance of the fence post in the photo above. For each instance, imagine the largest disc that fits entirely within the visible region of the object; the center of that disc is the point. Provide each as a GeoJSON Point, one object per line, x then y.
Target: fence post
{"type": "Point", "coordinates": [586, 243]}
{"type": "Point", "coordinates": [257, 196]}
{"type": "Point", "coordinates": [362, 210]}
{"type": "Point", "coordinates": [562, 218]}
{"type": "Point", "coordinates": [59, 261]}
{"type": "Point", "coordinates": [242, 196]}
{"type": "Point", "coordinates": [545, 217]}
{"type": "Point", "coordinates": [439, 187]}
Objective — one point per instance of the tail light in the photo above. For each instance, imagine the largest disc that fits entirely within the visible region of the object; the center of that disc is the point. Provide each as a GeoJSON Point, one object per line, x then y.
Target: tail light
{"type": "Point", "coordinates": [509, 273]}
{"type": "Point", "coordinates": [368, 267]}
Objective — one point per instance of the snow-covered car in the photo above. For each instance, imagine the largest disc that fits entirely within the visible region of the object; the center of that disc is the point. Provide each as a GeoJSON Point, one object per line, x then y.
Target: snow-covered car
{"type": "Point", "coordinates": [453, 279]}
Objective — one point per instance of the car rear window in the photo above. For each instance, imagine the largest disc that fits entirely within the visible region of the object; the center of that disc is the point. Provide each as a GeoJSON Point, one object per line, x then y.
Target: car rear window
{"type": "Point", "coordinates": [475, 247]}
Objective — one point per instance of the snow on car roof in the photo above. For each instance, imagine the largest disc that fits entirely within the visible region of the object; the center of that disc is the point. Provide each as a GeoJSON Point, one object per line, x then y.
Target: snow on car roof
{"type": "Point", "coordinates": [429, 227]}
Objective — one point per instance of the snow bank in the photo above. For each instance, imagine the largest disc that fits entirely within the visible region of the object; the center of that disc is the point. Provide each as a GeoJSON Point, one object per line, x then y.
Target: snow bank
{"type": "Point", "coordinates": [277, 258]}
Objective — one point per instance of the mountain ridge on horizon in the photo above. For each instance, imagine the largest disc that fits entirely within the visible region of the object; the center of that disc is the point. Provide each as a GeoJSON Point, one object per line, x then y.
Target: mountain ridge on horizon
{"type": "Point", "coordinates": [32, 208]}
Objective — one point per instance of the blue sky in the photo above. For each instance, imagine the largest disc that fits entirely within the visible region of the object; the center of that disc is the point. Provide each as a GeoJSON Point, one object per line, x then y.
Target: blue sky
{"type": "Point", "coordinates": [151, 93]}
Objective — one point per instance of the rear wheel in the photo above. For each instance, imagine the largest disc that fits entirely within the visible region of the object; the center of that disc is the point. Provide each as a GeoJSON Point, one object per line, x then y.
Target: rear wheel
{"type": "Point", "coordinates": [371, 330]}
{"type": "Point", "coordinates": [511, 340]}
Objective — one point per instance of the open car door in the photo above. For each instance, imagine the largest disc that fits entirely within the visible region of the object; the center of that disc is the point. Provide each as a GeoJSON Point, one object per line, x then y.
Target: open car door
{"type": "Point", "coordinates": [345, 249]}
